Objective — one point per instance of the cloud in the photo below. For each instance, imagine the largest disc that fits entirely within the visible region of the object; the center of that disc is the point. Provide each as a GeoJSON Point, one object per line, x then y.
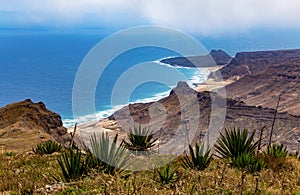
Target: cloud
{"type": "Point", "coordinates": [200, 16]}
{"type": "Point", "coordinates": [208, 16]}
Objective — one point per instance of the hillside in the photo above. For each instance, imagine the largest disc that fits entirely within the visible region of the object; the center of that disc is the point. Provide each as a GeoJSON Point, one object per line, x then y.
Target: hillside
{"type": "Point", "coordinates": [24, 124]}
{"type": "Point", "coordinates": [238, 114]}
{"type": "Point", "coordinates": [250, 63]}
{"type": "Point", "coordinates": [262, 76]}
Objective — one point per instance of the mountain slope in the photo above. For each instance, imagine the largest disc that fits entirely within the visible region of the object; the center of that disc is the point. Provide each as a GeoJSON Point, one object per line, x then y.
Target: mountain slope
{"type": "Point", "coordinates": [261, 77]}
{"type": "Point", "coordinates": [248, 63]}
{"type": "Point", "coordinates": [238, 114]}
{"type": "Point", "coordinates": [24, 124]}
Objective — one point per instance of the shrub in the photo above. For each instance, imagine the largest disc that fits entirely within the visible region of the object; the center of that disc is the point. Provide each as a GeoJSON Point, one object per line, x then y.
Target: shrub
{"type": "Point", "coordinates": [198, 159]}
{"type": "Point", "coordinates": [167, 174]}
{"type": "Point", "coordinates": [72, 165]}
{"type": "Point", "coordinates": [48, 147]}
{"type": "Point", "coordinates": [234, 143]}
{"type": "Point", "coordinates": [106, 155]}
{"type": "Point", "coordinates": [277, 151]}
{"type": "Point", "coordinates": [140, 139]}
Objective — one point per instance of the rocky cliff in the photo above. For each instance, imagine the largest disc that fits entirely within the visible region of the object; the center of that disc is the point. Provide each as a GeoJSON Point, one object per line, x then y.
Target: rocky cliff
{"type": "Point", "coordinates": [215, 57]}
{"type": "Point", "coordinates": [24, 124]}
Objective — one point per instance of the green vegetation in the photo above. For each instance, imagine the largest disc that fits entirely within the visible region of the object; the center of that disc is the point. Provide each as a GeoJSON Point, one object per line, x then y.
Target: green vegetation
{"type": "Point", "coordinates": [140, 139]}
{"type": "Point", "coordinates": [198, 172]}
{"type": "Point", "coordinates": [48, 147]}
{"type": "Point", "coordinates": [71, 165]}
{"type": "Point", "coordinates": [11, 153]}
{"type": "Point", "coordinates": [277, 151]}
{"type": "Point", "coordinates": [234, 143]}
{"type": "Point", "coordinates": [237, 146]}
{"type": "Point", "coordinates": [249, 163]}
{"type": "Point", "coordinates": [198, 159]}
{"type": "Point", "coordinates": [106, 155]}
{"type": "Point", "coordinates": [167, 174]}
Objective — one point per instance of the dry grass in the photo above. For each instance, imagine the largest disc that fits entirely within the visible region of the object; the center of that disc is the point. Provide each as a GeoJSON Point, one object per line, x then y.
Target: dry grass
{"type": "Point", "coordinates": [18, 139]}
{"type": "Point", "coordinates": [28, 173]}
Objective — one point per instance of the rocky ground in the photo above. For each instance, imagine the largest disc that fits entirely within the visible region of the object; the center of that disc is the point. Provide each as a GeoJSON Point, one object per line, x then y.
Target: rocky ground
{"type": "Point", "coordinates": [238, 114]}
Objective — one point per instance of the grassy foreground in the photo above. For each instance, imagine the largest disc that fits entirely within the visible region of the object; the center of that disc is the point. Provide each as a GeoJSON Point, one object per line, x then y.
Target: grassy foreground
{"type": "Point", "coordinates": [27, 173]}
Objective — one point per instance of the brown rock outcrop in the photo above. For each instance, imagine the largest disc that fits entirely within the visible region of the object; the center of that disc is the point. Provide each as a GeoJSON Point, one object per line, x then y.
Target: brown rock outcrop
{"type": "Point", "coordinates": [24, 124]}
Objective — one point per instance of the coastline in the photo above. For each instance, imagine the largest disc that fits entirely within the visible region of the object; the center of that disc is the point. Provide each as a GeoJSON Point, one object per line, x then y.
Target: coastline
{"type": "Point", "coordinates": [211, 84]}
{"type": "Point", "coordinates": [105, 125]}
{"type": "Point", "coordinates": [193, 76]}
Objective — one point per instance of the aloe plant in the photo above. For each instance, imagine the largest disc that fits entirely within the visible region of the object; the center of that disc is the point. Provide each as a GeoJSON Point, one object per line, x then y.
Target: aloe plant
{"type": "Point", "coordinates": [167, 174]}
{"type": "Point", "coordinates": [72, 165]}
{"type": "Point", "coordinates": [48, 147]}
{"type": "Point", "coordinates": [235, 142]}
{"type": "Point", "coordinates": [140, 139]}
{"type": "Point", "coordinates": [198, 159]}
{"type": "Point", "coordinates": [106, 155]}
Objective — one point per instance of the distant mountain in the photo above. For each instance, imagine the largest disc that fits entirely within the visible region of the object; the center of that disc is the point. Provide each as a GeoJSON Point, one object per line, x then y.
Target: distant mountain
{"type": "Point", "coordinates": [215, 57]}
{"type": "Point", "coordinates": [24, 124]}
{"type": "Point", "coordinates": [262, 76]}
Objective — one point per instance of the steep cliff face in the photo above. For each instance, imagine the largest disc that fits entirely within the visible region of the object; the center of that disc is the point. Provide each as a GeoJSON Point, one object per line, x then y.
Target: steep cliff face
{"type": "Point", "coordinates": [24, 124]}
{"type": "Point", "coordinates": [238, 114]}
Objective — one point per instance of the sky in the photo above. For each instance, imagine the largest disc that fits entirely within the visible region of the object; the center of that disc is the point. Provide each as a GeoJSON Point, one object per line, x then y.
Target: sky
{"type": "Point", "coordinates": [202, 17]}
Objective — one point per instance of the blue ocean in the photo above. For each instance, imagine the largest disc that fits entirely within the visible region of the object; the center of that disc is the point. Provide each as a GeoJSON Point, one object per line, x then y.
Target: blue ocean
{"type": "Point", "coordinates": [42, 66]}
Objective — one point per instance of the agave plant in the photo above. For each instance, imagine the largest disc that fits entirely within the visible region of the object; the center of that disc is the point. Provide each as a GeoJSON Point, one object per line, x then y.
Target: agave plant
{"type": "Point", "coordinates": [106, 155]}
{"type": "Point", "coordinates": [167, 174]}
{"type": "Point", "coordinates": [277, 151]}
{"type": "Point", "coordinates": [140, 139]}
{"type": "Point", "coordinates": [248, 162]}
{"type": "Point", "coordinates": [235, 142]}
{"type": "Point", "coordinates": [198, 159]}
{"type": "Point", "coordinates": [72, 165]}
{"type": "Point", "coordinates": [48, 147]}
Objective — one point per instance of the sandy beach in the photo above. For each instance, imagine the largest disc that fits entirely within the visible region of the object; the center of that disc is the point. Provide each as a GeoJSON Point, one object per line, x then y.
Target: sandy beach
{"type": "Point", "coordinates": [211, 84]}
